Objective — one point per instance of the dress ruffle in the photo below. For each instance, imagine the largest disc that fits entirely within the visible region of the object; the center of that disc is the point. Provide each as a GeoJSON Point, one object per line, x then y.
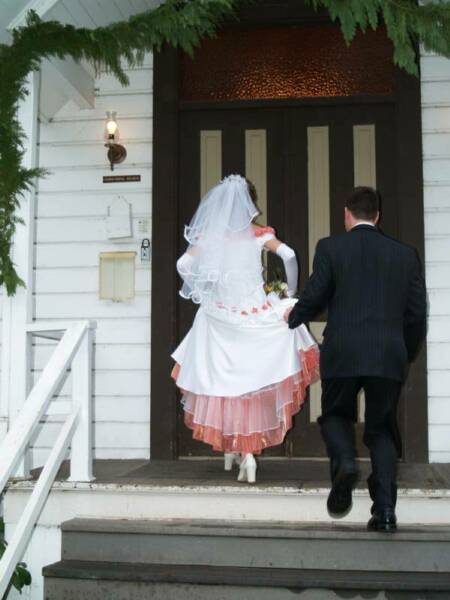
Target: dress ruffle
{"type": "Point", "coordinates": [254, 421]}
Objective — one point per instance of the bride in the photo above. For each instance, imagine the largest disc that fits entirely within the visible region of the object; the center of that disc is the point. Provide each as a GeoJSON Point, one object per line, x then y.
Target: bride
{"type": "Point", "coordinates": [242, 372]}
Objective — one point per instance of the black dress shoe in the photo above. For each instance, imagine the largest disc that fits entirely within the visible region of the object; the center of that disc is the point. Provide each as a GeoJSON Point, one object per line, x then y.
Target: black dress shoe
{"type": "Point", "coordinates": [383, 521]}
{"type": "Point", "coordinates": [339, 502]}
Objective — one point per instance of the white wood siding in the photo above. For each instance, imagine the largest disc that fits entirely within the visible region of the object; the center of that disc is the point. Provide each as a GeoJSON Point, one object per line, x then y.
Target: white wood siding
{"type": "Point", "coordinates": [70, 234]}
{"type": "Point", "coordinates": [435, 86]}
{"type": "Point", "coordinates": [3, 407]}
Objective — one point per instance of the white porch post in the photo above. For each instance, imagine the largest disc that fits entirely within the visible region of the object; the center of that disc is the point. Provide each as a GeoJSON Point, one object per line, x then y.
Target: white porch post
{"type": "Point", "coordinates": [18, 310]}
{"type": "Point", "coordinates": [82, 454]}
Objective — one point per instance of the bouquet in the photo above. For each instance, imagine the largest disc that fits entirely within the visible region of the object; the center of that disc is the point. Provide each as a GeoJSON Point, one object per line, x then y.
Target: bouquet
{"type": "Point", "coordinates": [276, 286]}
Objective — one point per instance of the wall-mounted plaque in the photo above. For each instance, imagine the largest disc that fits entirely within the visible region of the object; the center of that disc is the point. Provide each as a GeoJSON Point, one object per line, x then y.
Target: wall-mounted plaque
{"type": "Point", "coordinates": [120, 178]}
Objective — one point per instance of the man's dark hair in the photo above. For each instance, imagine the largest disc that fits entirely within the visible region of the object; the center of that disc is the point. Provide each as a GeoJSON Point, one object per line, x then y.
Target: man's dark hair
{"type": "Point", "coordinates": [364, 203]}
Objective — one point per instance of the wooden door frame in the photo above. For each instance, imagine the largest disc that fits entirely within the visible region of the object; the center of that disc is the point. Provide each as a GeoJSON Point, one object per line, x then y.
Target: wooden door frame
{"type": "Point", "coordinates": [166, 107]}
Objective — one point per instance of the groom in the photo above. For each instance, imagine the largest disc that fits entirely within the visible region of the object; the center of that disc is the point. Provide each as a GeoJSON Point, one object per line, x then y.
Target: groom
{"type": "Point", "coordinates": [373, 288]}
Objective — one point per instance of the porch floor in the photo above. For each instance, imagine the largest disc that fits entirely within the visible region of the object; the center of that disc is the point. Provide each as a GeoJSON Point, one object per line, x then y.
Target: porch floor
{"type": "Point", "coordinates": [296, 473]}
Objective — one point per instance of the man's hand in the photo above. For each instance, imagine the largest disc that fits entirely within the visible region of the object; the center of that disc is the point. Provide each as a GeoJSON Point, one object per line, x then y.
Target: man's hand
{"type": "Point", "coordinates": [287, 312]}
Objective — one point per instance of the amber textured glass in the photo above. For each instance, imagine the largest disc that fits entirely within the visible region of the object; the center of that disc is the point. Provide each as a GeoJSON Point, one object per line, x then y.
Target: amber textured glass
{"type": "Point", "coordinates": [288, 62]}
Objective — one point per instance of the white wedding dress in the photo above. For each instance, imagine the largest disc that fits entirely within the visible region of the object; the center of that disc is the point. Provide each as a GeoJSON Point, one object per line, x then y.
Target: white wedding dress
{"type": "Point", "coordinates": [242, 372]}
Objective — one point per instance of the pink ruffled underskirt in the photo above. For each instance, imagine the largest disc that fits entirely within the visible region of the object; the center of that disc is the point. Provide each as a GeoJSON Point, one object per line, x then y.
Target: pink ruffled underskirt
{"type": "Point", "coordinates": [254, 421]}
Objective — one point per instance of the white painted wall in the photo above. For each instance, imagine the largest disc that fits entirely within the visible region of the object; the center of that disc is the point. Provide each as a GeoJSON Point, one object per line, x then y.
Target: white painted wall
{"type": "Point", "coordinates": [70, 233]}
{"type": "Point", "coordinates": [3, 408]}
{"type": "Point", "coordinates": [435, 85]}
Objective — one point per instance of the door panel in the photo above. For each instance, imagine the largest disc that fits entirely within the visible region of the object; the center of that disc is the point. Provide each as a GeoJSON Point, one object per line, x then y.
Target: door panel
{"type": "Point", "coordinates": [364, 155]}
{"type": "Point", "coordinates": [210, 159]}
{"type": "Point", "coordinates": [304, 162]}
{"type": "Point", "coordinates": [251, 143]}
{"type": "Point", "coordinates": [256, 166]}
{"type": "Point", "coordinates": [352, 135]}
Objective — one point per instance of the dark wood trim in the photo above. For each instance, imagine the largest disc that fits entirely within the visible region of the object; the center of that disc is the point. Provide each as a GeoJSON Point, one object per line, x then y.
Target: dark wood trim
{"type": "Point", "coordinates": [285, 103]}
{"type": "Point", "coordinates": [165, 248]}
{"type": "Point", "coordinates": [411, 231]}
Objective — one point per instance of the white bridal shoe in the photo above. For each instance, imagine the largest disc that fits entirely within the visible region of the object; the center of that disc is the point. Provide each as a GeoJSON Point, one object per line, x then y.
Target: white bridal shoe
{"type": "Point", "coordinates": [247, 470]}
{"type": "Point", "coordinates": [231, 458]}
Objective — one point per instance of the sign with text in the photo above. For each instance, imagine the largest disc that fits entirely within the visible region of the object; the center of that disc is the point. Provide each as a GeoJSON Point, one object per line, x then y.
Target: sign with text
{"type": "Point", "coordinates": [120, 178]}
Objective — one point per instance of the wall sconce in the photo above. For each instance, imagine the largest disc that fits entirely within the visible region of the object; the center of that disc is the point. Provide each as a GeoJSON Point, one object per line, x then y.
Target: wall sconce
{"type": "Point", "coordinates": [116, 152]}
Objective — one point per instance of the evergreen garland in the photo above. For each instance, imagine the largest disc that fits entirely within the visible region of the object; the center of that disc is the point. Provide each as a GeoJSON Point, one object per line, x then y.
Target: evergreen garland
{"type": "Point", "coordinates": [408, 23]}
{"type": "Point", "coordinates": [181, 23]}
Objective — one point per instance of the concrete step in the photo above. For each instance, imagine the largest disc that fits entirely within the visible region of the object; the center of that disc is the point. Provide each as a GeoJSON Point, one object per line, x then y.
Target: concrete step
{"type": "Point", "coordinates": [89, 580]}
{"type": "Point", "coordinates": [256, 545]}
{"type": "Point", "coordinates": [204, 499]}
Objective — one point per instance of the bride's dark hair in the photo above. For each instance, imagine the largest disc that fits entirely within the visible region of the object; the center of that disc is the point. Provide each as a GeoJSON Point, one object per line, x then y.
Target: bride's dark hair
{"type": "Point", "coordinates": [253, 195]}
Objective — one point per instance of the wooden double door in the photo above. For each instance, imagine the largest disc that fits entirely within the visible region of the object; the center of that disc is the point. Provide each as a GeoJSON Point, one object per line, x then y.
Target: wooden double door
{"type": "Point", "coordinates": [304, 161]}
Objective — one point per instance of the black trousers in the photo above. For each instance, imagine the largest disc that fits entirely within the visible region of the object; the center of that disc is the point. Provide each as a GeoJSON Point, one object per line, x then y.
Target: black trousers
{"type": "Point", "coordinates": [381, 433]}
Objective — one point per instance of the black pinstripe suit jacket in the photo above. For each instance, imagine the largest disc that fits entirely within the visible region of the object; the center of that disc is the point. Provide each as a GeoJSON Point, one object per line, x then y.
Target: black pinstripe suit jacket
{"type": "Point", "coordinates": [374, 290]}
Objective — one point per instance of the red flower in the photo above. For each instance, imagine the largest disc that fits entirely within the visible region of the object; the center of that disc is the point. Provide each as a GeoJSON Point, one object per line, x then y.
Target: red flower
{"type": "Point", "coordinates": [259, 231]}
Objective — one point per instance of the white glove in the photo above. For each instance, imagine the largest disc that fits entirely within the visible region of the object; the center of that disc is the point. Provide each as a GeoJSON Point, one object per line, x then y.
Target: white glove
{"type": "Point", "coordinates": [289, 259]}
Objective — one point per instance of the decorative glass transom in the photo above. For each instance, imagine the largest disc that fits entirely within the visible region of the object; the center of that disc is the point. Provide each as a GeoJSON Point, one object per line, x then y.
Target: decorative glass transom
{"type": "Point", "coordinates": [288, 62]}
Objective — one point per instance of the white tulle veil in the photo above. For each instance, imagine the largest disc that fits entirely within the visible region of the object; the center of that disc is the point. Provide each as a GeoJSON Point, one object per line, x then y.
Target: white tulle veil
{"type": "Point", "coordinates": [226, 269]}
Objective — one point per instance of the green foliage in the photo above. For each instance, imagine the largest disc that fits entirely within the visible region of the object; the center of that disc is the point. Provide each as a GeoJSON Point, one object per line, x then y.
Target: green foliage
{"type": "Point", "coordinates": [181, 23]}
{"type": "Point", "coordinates": [21, 576]}
{"type": "Point", "coordinates": [407, 24]}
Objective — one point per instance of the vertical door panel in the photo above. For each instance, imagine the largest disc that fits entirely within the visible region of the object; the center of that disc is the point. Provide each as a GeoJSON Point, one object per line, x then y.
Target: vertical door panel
{"type": "Point", "coordinates": [256, 166]}
{"type": "Point", "coordinates": [364, 167]}
{"type": "Point", "coordinates": [210, 159]}
{"type": "Point", "coordinates": [318, 221]}
{"type": "Point", "coordinates": [364, 155]}
{"type": "Point", "coordinates": [318, 188]}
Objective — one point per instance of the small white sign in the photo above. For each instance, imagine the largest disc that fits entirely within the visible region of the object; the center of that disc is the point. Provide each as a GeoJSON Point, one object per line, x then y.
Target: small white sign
{"type": "Point", "coordinates": [118, 219]}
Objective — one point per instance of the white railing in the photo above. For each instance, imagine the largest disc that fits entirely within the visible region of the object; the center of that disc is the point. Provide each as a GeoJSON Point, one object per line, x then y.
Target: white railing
{"type": "Point", "coordinates": [74, 351]}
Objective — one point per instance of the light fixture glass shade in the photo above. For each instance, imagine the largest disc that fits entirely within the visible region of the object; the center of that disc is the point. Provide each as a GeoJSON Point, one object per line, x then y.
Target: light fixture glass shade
{"type": "Point", "coordinates": [111, 127]}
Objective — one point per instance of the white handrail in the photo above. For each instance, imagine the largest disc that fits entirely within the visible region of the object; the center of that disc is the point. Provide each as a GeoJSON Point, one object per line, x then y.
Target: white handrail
{"type": "Point", "coordinates": [75, 350]}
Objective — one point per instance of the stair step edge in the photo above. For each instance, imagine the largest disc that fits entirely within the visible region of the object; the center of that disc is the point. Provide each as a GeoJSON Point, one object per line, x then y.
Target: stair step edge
{"type": "Point", "coordinates": [250, 576]}
{"type": "Point", "coordinates": [254, 529]}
